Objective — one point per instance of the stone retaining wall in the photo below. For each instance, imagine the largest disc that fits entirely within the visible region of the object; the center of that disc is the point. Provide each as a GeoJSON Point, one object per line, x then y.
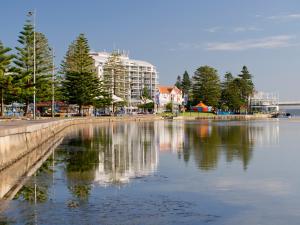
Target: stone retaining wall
{"type": "Point", "coordinates": [17, 142]}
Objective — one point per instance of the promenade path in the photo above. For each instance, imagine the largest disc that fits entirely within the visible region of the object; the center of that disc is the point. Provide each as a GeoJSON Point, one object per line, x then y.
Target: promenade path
{"type": "Point", "coordinates": [10, 124]}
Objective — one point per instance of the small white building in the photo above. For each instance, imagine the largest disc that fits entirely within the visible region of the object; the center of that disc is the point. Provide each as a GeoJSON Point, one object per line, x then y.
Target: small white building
{"type": "Point", "coordinates": [168, 94]}
{"type": "Point", "coordinates": [262, 102]}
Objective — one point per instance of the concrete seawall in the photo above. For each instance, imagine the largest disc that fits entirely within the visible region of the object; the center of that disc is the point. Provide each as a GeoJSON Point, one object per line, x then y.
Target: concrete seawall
{"type": "Point", "coordinates": [24, 146]}
{"type": "Point", "coordinates": [18, 141]}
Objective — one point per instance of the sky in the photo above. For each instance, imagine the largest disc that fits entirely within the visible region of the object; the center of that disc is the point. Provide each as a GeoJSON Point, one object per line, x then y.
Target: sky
{"type": "Point", "coordinates": [176, 35]}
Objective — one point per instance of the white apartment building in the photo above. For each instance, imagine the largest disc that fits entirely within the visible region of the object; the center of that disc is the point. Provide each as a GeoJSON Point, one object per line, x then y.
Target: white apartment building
{"type": "Point", "coordinates": [140, 74]}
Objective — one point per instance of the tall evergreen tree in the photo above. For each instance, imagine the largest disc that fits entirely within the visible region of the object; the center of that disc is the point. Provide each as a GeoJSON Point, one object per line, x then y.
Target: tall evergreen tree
{"type": "Point", "coordinates": [231, 93]}
{"type": "Point", "coordinates": [80, 85]}
{"type": "Point", "coordinates": [5, 78]}
{"type": "Point", "coordinates": [206, 86]}
{"type": "Point", "coordinates": [246, 84]}
{"type": "Point", "coordinates": [178, 83]}
{"type": "Point", "coordinates": [44, 68]}
{"type": "Point", "coordinates": [115, 76]}
{"type": "Point", "coordinates": [186, 83]}
{"type": "Point", "coordinates": [77, 58]}
{"type": "Point", "coordinates": [24, 66]}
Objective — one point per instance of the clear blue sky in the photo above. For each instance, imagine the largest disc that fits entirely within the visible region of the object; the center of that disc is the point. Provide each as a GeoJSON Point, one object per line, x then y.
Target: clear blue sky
{"type": "Point", "coordinates": [177, 35]}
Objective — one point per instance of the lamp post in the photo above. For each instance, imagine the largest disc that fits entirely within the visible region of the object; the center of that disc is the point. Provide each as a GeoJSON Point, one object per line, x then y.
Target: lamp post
{"type": "Point", "coordinates": [53, 80]}
{"type": "Point", "coordinates": [32, 13]}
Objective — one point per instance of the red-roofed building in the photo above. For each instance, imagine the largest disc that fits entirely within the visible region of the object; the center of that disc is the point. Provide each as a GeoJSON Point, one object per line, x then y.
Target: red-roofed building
{"type": "Point", "coordinates": [169, 94]}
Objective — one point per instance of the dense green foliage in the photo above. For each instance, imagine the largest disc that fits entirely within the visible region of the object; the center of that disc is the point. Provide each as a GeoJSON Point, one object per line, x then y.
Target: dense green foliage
{"type": "Point", "coordinates": [169, 107]}
{"type": "Point", "coordinates": [178, 82]}
{"type": "Point", "coordinates": [24, 66]}
{"type": "Point", "coordinates": [148, 106]}
{"type": "Point", "coordinates": [80, 84]}
{"type": "Point", "coordinates": [232, 94]}
{"type": "Point", "coordinates": [5, 77]}
{"type": "Point", "coordinates": [231, 97]}
{"type": "Point", "coordinates": [246, 84]}
{"type": "Point", "coordinates": [206, 86]}
{"type": "Point", "coordinates": [145, 94]}
{"type": "Point", "coordinates": [186, 83]}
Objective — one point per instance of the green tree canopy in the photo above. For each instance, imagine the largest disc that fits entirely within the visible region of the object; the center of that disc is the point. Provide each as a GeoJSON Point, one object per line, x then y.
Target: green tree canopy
{"type": "Point", "coordinates": [5, 78]}
{"type": "Point", "coordinates": [246, 84]}
{"type": "Point", "coordinates": [206, 86]}
{"type": "Point", "coordinates": [24, 66]}
{"type": "Point", "coordinates": [186, 83]}
{"type": "Point", "coordinates": [231, 93]}
{"type": "Point", "coordinates": [178, 83]}
{"type": "Point", "coordinates": [146, 93]}
{"type": "Point", "coordinates": [80, 84]}
{"type": "Point", "coordinates": [77, 58]}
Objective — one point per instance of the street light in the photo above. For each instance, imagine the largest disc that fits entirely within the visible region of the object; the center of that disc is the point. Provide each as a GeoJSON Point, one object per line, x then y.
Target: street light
{"type": "Point", "coordinates": [53, 80]}
{"type": "Point", "coordinates": [34, 63]}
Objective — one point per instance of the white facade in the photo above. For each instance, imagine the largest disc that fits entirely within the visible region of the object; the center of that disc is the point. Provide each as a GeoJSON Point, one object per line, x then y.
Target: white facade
{"type": "Point", "coordinates": [140, 74]}
{"type": "Point", "coordinates": [169, 94]}
{"type": "Point", "coordinates": [264, 102]}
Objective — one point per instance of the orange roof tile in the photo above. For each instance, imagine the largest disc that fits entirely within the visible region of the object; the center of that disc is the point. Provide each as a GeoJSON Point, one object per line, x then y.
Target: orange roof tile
{"type": "Point", "coordinates": [168, 89]}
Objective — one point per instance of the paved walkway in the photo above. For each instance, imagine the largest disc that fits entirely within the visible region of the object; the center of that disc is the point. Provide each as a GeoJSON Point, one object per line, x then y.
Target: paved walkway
{"type": "Point", "coordinates": [9, 124]}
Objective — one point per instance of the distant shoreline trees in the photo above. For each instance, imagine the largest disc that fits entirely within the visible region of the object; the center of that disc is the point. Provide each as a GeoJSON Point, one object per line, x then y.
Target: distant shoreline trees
{"type": "Point", "coordinates": [231, 94]}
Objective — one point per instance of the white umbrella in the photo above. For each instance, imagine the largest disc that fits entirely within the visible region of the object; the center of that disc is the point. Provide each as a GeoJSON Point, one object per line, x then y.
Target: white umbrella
{"type": "Point", "coordinates": [117, 99]}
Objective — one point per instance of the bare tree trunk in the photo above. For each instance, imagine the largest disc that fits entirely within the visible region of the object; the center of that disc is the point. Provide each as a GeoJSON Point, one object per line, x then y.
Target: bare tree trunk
{"type": "Point", "coordinates": [80, 110]}
{"type": "Point", "coordinates": [26, 111]}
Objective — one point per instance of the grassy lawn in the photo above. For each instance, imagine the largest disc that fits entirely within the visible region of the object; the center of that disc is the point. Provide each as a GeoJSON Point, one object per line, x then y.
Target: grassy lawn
{"type": "Point", "coordinates": [196, 114]}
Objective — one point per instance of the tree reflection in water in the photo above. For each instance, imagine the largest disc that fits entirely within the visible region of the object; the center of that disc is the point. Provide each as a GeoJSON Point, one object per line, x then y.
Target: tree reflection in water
{"type": "Point", "coordinates": [107, 154]}
{"type": "Point", "coordinates": [36, 189]}
{"type": "Point", "coordinates": [113, 154]}
{"type": "Point", "coordinates": [206, 141]}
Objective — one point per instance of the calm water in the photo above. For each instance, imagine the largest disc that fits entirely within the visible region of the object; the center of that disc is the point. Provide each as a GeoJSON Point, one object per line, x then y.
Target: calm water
{"type": "Point", "coordinates": [167, 173]}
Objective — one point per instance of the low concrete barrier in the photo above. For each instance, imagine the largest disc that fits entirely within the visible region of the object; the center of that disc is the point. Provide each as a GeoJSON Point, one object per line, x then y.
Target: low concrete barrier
{"type": "Point", "coordinates": [18, 141]}
{"type": "Point", "coordinates": [24, 148]}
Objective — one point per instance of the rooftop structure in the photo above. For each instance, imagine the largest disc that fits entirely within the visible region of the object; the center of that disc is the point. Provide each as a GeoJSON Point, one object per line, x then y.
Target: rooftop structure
{"type": "Point", "coordinates": [140, 74]}
{"type": "Point", "coordinates": [264, 102]}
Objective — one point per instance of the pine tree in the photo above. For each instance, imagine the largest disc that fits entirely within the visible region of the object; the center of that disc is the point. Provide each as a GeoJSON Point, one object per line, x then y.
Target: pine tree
{"type": "Point", "coordinates": [77, 58]}
{"type": "Point", "coordinates": [81, 85]}
{"type": "Point", "coordinates": [44, 68]}
{"type": "Point", "coordinates": [24, 66]}
{"type": "Point", "coordinates": [246, 84]}
{"type": "Point", "coordinates": [186, 83]}
{"type": "Point", "coordinates": [115, 77]}
{"type": "Point", "coordinates": [5, 78]}
{"type": "Point", "coordinates": [231, 93]}
{"type": "Point", "coordinates": [178, 83]}
{"type": "Point", "coordinates": [206, 86]}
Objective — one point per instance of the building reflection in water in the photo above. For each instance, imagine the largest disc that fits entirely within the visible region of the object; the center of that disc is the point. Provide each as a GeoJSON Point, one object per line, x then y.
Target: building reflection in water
{"type": "Point", "coordinates": [131, 152]}
{"type": "Point", "coordinates": [110, 154]}
{"type": "Point", "coordinates": [207, 141]}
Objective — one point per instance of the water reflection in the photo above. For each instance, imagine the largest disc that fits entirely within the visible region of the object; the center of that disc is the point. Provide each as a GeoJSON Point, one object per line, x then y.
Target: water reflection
{"type": "Point", "coordinates": [108, 154]}
{"type": "Point", "coordinates": [207, 141]}
{"type": "Point", "coordinates": [81, 182]}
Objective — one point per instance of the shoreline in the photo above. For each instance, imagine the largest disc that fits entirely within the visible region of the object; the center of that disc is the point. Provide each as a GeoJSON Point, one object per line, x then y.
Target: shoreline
{"type": "Point", "coordinates": [19, 137]}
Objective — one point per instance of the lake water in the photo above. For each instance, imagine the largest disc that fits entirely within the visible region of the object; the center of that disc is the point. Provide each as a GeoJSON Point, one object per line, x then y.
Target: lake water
{"type": "Point", "coordinates": [167, 172]}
